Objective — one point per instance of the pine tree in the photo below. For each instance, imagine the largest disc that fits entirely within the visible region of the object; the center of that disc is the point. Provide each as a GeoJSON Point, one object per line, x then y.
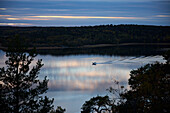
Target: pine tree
{"type": "Point", "coordinates": [20, 89]}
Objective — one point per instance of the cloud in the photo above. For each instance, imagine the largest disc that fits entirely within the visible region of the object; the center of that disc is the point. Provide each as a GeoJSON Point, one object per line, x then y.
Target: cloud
{"type": "Point", "coordinates": [15, 24]}
{"type": "Point", "coordinates": [56, 9]}
{"type": "Point", "coordinates": [26, 19]}
{"type": "Point", "coordinates": [77, 13]}
{"type": "Point", "coordinates": [3, 9]}
{"type": "Point", "coordinates": [162, 15]}
{"type": "Point", "coordinates": [64, 17]}
{"type": "Point", "coordinates": [4, 15]}
{"type": "Point", "coordinates": [88, 17]}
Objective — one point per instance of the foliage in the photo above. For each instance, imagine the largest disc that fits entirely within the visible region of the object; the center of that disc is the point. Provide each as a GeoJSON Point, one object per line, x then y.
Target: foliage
{"type": "Point", "coordinates": [117, 100]}
{"type": "Point", "coordinates": [97, 104]}
{"type": "Point", "coordinates": [20, 89]}
{"type": "Point", "coordinates": [150, 88]}
{"type": "Point", "coordinates": [105, 104]}
{"type": "Point", "coordinates": [86, 35]}
{"type": "Point", "coordinates": [60, 110]}
{"type": "Point", "coordinates": [149, 93]}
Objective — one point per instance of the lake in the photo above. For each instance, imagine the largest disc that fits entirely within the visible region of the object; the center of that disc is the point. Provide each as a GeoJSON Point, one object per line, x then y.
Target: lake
{"type": "Point", "coordinates": [73, 79]}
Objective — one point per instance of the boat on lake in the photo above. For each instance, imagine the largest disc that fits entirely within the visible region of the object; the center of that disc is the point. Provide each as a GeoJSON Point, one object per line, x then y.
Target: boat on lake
{"type": "Point", "coordinates": [94, 63]}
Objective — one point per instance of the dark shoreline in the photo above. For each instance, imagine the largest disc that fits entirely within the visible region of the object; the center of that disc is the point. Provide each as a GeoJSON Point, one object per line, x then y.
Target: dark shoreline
{"type": "Point", "coordinates": [97, 45]}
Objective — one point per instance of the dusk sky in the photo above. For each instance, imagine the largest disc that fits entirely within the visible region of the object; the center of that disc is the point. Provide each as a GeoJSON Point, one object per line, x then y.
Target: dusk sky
{"type": "Point", "coordinates": [84, 12]}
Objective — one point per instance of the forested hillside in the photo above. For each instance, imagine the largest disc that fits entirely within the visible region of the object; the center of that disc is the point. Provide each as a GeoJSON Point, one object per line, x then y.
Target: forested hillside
{"type": "Point", "coordinates": [85, 35]}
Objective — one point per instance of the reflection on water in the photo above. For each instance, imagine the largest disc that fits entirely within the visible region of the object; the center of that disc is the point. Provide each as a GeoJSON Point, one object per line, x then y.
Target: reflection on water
{"type": "Point", "coordinates": [76, 72]}
{"type": "Point", "coordinates": [73, 78]}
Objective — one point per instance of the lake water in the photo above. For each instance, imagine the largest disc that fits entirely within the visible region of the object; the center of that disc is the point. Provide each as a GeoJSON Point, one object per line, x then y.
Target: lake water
{"type": "Point", "coordinates": [73, 79]}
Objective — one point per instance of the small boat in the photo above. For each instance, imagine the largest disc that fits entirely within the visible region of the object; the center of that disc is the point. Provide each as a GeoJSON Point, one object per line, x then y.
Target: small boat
{"type": "Point", "coordinates": [93, 63]}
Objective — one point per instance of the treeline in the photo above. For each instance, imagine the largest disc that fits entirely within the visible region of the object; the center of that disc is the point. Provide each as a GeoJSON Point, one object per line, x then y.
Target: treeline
{"type": "Point", "coordinates": [86, 35]}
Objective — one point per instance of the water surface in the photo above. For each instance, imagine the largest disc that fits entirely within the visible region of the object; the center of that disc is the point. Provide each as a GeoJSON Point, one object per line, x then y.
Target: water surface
{"type": "Point", "coordinates": [73, 79]}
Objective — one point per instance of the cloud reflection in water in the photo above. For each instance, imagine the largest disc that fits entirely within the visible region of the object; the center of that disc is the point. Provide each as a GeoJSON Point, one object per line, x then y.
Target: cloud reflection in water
{"type": "Point", "coordinates": [72, 73]}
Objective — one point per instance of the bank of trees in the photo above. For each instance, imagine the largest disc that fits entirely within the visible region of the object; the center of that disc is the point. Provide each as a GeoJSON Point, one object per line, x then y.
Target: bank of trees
{"type": "Point", "coordinates": [87, 35]}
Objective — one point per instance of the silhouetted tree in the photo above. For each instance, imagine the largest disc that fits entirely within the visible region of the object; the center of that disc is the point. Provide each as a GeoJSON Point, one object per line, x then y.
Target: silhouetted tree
{"type": "Point", "coordinates": [97, 104]}
{"type": "Point", "coordinates": [150, 88]}
{"type": "Point", "coordinates": [58, 110]}
{"type": "Point", "coordinates": [20, 89]}
{"type": "Point", "coordinates": [116, 98]}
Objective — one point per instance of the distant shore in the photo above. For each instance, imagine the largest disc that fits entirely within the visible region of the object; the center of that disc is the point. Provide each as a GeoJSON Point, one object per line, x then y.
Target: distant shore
{"type": "Point", "coordinates": [123, 44]}
{"type": "Point", "coordinates": [97, 45]}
